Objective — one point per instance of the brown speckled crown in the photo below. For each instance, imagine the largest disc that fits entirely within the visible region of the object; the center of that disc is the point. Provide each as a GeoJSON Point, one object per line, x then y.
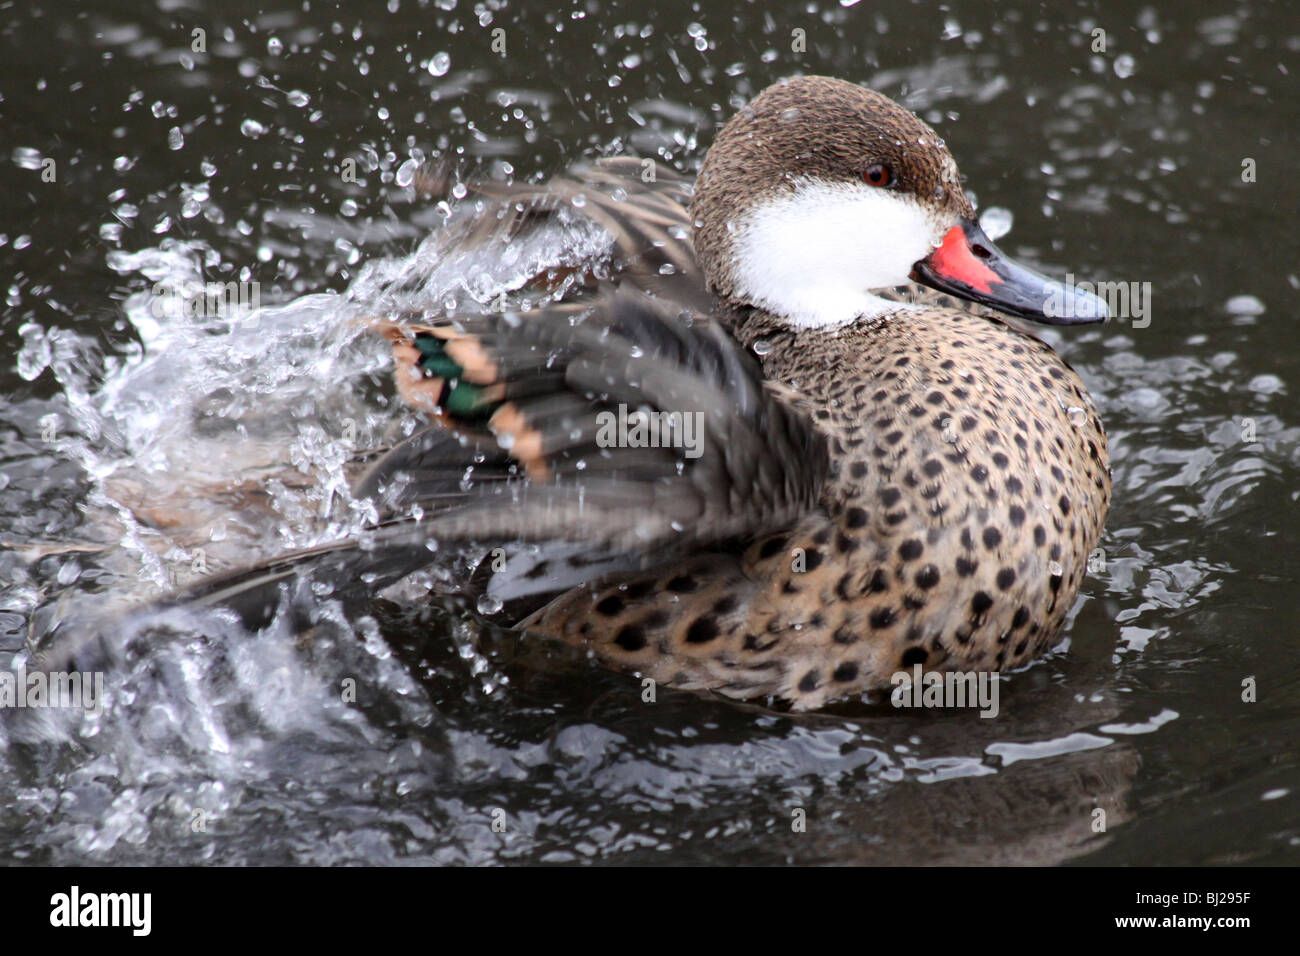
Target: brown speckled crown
{"type": "Point", "coordinates": [813, 127]}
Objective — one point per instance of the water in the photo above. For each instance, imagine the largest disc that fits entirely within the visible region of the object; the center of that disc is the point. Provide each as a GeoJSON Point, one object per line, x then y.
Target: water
{"type": "Point", "coordinates": [144, 442]}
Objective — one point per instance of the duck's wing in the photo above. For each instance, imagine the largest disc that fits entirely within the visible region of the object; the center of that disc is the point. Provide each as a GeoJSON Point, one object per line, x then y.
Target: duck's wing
{"type": "Point", "coordinates": [624, 425]}
{"type": "Point", "coordinates": [642, 204]}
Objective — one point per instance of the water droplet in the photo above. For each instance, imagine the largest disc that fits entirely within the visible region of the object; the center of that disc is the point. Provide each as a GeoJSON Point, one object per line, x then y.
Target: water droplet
{"type": "Point", "coordinates": [1125, 66]}
{"type": "Point", "coordinates": [175, 138]}
{"type": "Point", "coordinates": [1078, 417]}
{"type": "Point", "coordinates": [762, 347]}
{"type": "Point", "coordinates": [996, 222]}
{"type": "Point", "coordinates": [69, 572]}
{"type": "Point", "coordinates": [252, 128]}
{"type": "Point", "coordinates": [1054, 569]}
{"type": "Point", "coordinates": [1244, 305]}
{"type": "Point", "coordinates": [487, 604]}
{"type": "Point", "coordinates": [440, 64]}
{"type": "Point", "coordinates": [406, 173]}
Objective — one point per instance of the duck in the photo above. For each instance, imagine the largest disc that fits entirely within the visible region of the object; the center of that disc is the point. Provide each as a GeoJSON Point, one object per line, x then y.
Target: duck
{"type": "Point", "coordinates": [794, 440]}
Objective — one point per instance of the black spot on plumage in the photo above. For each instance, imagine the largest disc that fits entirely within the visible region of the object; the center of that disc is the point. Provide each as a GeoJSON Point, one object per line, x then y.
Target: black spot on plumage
{"type": "Point", "coordinates": [725, 604]}
{"type": "Point", "coordinates": [911, 549]}
{"type": "Point", "coordinates": [890, 496]}
{"type": "Point", "coordinates": [927, 577]}
{"type": "Point", "coordinates": [808, 683]}
{"type": "Point", "coordinates": [1006, 578]}
{"type": "Point", "coordinates": [1016, 515]}
{"type": "Point", "coordinates": [682, 584]}
{"type": "Point", "coordinates": [772, 546]}
{"type": "Point", "coordinates": [992, 538]}
{"type": "Point", "coordinates": [879, 581]}
{"type": "Point", "coordinates": [981, 602]}
{"type": "Point", "coordinates": [701, 631]}
{"type": "Point", "coordinates": [639, 589]}
{"type": "Point", "coordinates": [1021, 616]}
{"type": "Point", "coordinates": [610, 606]}
{"type": "Point", "coordinates": [881, 618]}
{"type": "Point", "coordinates": [845, 672]}
{"type": "Point", "coordinates": [966, 568]}
{"type": "Point", "coordinates": [914, 655]}
{"type": "Point", "coordinates": [1040, 535]}
{"type": "Point", "coordinates": [630, 638]}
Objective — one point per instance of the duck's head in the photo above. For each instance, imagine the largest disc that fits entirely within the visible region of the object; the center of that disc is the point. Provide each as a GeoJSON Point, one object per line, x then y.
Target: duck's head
{"type": "Point", "coordinates": [819, 191]}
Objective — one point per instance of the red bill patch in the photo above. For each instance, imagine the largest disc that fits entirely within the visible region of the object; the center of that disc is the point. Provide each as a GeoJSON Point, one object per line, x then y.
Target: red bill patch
{"type": "Point", "coordinates": [954, 260]}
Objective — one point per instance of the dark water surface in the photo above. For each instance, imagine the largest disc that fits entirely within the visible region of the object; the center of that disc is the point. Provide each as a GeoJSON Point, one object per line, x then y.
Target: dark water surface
{"type": "Point", "coordinates": [127, 427]}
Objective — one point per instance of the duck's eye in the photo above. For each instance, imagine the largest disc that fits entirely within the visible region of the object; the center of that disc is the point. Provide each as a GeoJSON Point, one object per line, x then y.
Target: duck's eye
{"type": "Point", "coordinates": [878, 174]}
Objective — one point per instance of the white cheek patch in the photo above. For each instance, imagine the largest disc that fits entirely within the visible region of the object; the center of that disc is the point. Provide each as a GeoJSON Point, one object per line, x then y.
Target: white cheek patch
{"type": "Point", "coordinates": [813, 256]}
